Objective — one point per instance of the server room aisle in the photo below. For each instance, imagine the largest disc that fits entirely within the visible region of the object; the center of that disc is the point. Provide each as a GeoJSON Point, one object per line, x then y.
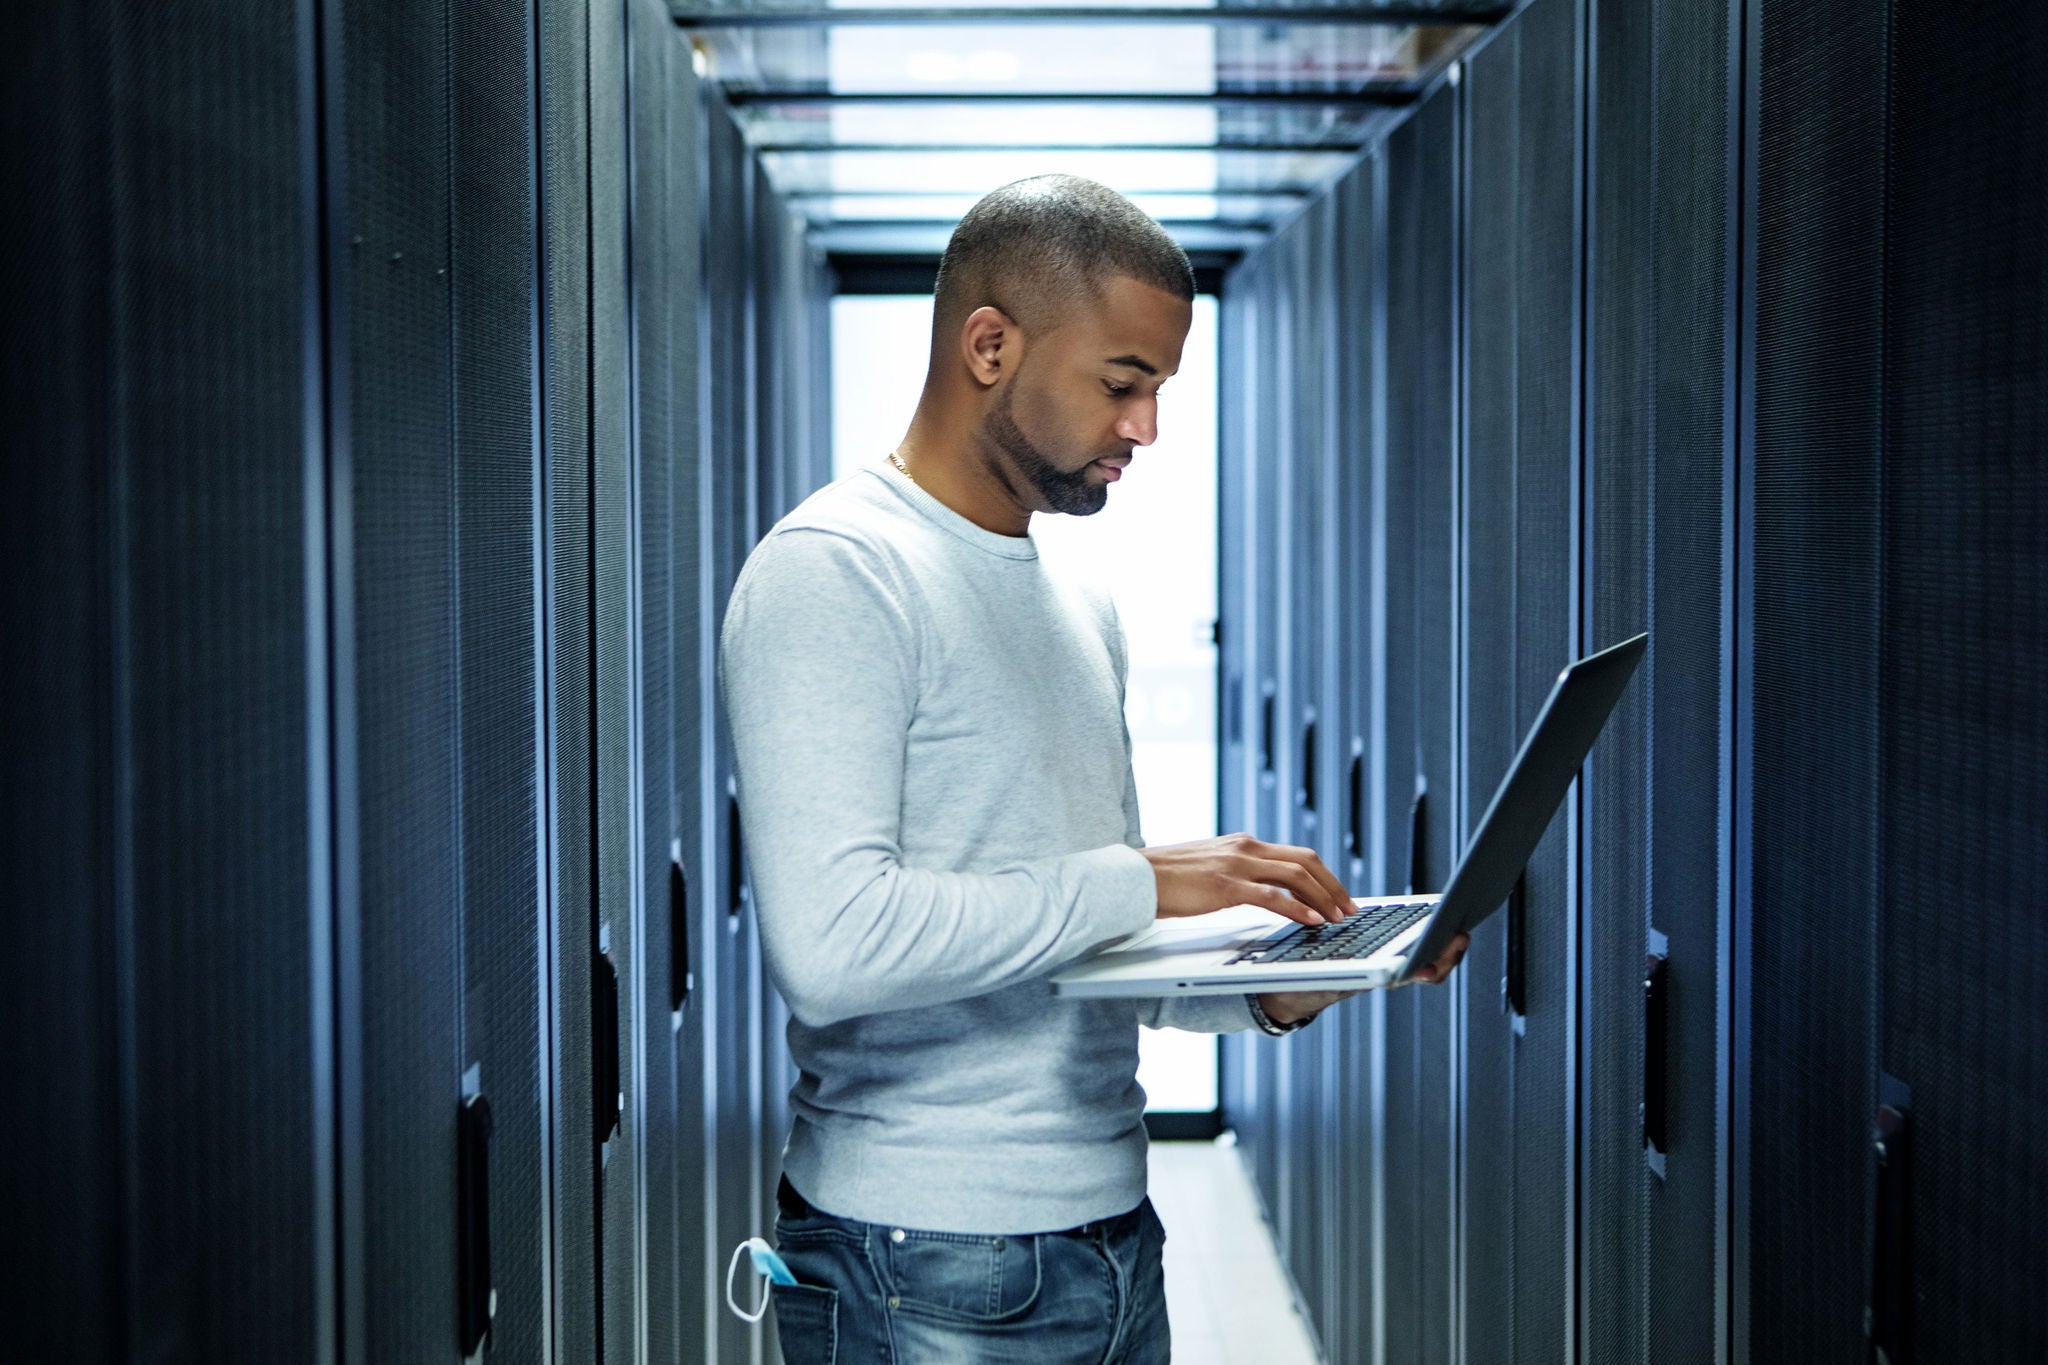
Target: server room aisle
{"type": "Point", "coordinates": [394, 392]}
{"type": "Point", "coordinates": [1226, 1295]}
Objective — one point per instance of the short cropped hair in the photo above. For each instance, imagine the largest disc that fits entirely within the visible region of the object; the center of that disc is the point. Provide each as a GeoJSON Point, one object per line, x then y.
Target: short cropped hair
{"type": "Point", "coordinates": [1041, 248]}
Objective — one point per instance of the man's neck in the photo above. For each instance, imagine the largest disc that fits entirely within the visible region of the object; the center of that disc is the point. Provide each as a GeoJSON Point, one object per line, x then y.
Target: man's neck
{"type": "Point", "coordinates": [963, 484]}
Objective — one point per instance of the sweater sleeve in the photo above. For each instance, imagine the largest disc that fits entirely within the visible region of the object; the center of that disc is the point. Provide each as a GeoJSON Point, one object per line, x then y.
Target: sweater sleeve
{"type": "Point", "coordinates": [1192, 1013]}
{"type": "Point", "coordinates": [818, 671]}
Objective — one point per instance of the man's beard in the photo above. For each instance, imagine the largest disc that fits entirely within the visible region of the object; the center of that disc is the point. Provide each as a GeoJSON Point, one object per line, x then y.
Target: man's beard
{"type": "Point", "coordinates": [1072, 492]}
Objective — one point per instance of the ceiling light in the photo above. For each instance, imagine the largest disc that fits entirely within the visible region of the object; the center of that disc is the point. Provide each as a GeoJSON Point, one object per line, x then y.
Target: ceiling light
{"type": "Point", "coordinates": [932, 67]}
{"type": "Point", "coordinates": [992, 65]}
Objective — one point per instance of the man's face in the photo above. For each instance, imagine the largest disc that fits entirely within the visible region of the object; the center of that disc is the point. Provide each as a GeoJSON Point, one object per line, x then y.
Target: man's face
{"type": "Point", "coordinates": [1088, 393]}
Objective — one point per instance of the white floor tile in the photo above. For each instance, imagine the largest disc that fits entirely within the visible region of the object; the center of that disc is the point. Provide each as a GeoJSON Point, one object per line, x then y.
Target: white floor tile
{"type": "Point", "coordinates": [1226, 1294]}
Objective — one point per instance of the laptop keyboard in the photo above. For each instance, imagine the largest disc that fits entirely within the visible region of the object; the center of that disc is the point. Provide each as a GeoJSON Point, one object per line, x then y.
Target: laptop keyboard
{"type": "Point", "coordinates": [1361, 934]}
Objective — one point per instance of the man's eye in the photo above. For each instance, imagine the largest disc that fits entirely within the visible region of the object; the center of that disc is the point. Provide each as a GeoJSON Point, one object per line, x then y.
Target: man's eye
{"type": "Point", "coordinates": [1116, 392]}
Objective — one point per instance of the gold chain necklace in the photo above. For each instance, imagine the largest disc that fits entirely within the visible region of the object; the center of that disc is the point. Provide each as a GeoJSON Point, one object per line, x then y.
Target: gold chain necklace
{"type": "Point", "coordinates": [897, 460]}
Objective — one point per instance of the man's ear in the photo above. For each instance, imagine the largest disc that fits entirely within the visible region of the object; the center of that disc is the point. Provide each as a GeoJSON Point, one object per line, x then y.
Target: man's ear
{"type": "Point", "coordinates": [990, 344]}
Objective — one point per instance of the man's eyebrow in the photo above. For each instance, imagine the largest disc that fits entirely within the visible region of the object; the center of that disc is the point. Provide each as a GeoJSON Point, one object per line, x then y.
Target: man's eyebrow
{"type": "Point", "coordinates": [1133, 361]}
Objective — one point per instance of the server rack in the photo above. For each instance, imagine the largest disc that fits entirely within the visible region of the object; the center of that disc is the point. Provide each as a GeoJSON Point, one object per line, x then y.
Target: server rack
{"type": "Point", "coordinates": [385, 591]}
{"type": "Point", "coordinates": [1422, 540]}
{"type": "Point", "coordinates": [1713, 336]}
{"type": "Point", "coordinates": [1660, 393]}
{"type": "Point", "coordinates": [1356, 1075]}
{"type": "Point", "coordinates": [1519, 467]}
{"type": "Point", "coordinates": [1887, 789]}
{"type": "Point", "coordinates": [165, 578]}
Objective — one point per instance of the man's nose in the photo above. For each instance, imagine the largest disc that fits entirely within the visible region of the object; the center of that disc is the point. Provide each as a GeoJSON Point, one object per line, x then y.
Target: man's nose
{"type": "Point", "coordinates": [1140, 425]}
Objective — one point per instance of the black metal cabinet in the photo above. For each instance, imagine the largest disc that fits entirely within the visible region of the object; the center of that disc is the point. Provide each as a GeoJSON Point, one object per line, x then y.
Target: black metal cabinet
{"type": "Point", "coordinates": [1353, 1078]}
{"type": "Point", "coordinates": [1423, 550]}
{"type": "Point", "coordinates": [1300, 471]}
{"type": "Point", "coordinates": [1889, 768]}
{"type": "Point", "coordinates": [1660, 387]}
{"type": "Point", "coordinates": [1519, 467]}
{"type": "Point", "coordinates": [164, 848]}
{"type": "Point", "coordinates": [435, 667]}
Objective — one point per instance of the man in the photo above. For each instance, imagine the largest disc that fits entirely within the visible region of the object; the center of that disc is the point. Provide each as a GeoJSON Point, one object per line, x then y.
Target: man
{"type": "Point", "coordinates": [937, 798]}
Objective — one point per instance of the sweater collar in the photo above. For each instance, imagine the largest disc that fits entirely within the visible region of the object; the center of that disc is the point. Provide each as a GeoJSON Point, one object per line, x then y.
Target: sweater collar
{"type": "Point", "coordinates": [994, 542]}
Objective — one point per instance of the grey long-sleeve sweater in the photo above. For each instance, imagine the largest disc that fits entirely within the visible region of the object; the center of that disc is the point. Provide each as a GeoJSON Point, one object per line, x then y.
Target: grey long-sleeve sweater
{"type": "Point", "coordinates": [937, 802]}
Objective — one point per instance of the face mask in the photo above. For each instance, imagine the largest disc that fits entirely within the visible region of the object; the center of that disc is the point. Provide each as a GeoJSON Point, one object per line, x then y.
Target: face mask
{"type": "Point", "coordinates": [767, 1263]}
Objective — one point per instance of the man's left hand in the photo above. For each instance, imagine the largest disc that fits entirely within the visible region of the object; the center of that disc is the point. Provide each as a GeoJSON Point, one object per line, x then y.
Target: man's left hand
{"type": "Point", "coordinates": [1284, 1007]}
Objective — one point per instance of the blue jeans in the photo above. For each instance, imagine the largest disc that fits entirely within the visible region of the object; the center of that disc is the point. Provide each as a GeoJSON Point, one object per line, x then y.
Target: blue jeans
{"type": "Point", "coordinates": [870, 1294]}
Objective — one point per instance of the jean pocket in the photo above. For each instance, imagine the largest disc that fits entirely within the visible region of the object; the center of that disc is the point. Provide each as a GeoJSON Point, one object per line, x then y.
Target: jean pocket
{"type": "Point", "coordinates": [964, 1278]}
{"type": "Point", "coordinates": [806, 1323]}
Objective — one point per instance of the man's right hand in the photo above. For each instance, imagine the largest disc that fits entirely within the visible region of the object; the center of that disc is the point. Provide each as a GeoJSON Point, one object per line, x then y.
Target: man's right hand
{"type": "Point", "coordinates": [1213, 874]}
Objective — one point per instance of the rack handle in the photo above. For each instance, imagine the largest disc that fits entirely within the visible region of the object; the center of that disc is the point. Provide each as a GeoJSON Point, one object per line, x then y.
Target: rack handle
{"type": "Point", "coordinates": [1888, 1317]}
{"type": "Point", "coordinates": [1514, 977]}
{"type": "Point", "coordinates": [1656, 1108]}
{"type": "Point", "coordinates": [735, 853]}
{"type": "Point", "coordinates": [1354, 826]}
{"type": "Point", "coordinates": [477, 1296]}
{"type": "Point", "coordinates": [1307, 795]}
{"type": "Point", "coordinates": [680, 978]}
{"type": "Point", "coordinates": [1266, 730]}
{"type": "Point", "coordinates": [608, 1100]}
{"type": "Point", "coordinates": [1417, 829]}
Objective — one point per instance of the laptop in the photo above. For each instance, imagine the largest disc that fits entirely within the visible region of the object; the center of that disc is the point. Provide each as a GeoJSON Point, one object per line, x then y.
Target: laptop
{"type": "Point", "coordinates": [1248, 948]}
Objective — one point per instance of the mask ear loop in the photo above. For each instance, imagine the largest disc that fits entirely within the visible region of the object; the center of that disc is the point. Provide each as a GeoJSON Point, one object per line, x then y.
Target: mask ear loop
{"type": "Point", "coordinates": [760, 1310]}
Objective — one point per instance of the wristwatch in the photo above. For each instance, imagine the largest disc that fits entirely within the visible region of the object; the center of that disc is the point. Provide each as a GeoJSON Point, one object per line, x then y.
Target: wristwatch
{"type": "Point", "coordinates": [1277, 1030]}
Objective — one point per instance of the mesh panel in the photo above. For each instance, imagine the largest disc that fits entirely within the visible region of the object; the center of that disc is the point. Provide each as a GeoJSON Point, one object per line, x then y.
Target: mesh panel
{"type": "Point", "coordinates": [1439, 541]}
{"type": "Point", "coordinates": [1305, 458]}
{"type": "Point", "coordinates": [1661, 296]}
{"type": "Point", "coordinates": [778, 348]}
{"type": "Point", "coordinates": [1237, 408]}
{"type": "Point", "coordinates": [1546, 438]}
{"type": "Point", "coordinates": [1359, 253]}
{"type": "Point", "coordinates": [1254, 1112]}
{"type": "Point", "coordinates": [1408, 237]}
{"type": "Point", "coordinates": [1238, 761]}
{"type": "Point", "coordinates": [1421, 199]}
{"type": "Point", "coordinates": [492, 274]}
{"type": "Point", "coordinates": [654, 271]}
{"type": "Point", "coordinates": [1521, 274]}
{"type": "Point", "coordinates": [797, 357]}
{"type": "Point", "coordinates": [1233, 761]}
{"type": "Point", "coordinates": [690, 680]}
{"type": "Point", "coordinates": [1964, 749]}
{"type": "Point", "coordinates": [1682, 673]}
{"type": "Point", "coordinates": [1497, 260]}
{"type": "Point", "coordinates": [1329, 1188]}
{"type": "Point", "coordinates": [1813, 890]}
{"type": "Point", "coordinates": [1261, 387]}
{"type": "Point", "coordinates": [729, 279]}
{"type": "Point", "coordinates": [61, 1181]}
{"type": "Point", "coordinates": [1265, 385]}
{"type": "Point", "coordinates": [408, 740]}
{"type": "Point", "coordinates": [202, 389]}
{"type": "Point", "coordinates": [1624, 301]}
{"type": "Point", "coordinates": [1270, 407]}
{"type": "Point", "coordinates": [566, 402]}
{"type": "Point", "coordinates": [612, 561]}
{"type": "Point", "coordinates": [1436, 664]}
